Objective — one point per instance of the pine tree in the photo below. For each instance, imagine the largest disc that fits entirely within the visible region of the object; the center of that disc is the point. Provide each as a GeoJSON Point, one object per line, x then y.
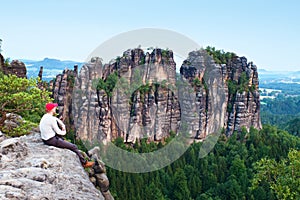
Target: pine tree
{"type": "Point", "coordinates": [153, 193]}
{"type": "Point", "coordinates": [180, 189]}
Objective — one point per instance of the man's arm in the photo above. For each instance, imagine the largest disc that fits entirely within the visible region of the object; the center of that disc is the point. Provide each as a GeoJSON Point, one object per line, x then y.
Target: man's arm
{"type": "Point", "coordinates": [61, 124]}
{"type": "Point", "coordinates": [56, 128]}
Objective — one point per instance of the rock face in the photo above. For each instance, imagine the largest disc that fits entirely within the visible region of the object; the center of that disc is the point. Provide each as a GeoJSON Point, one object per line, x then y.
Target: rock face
{"type": "Point", "coordinates": [220, 106]}
{"type": "Point", "coordinates": [62, 89]}
{"type": "Point", "coordinates": [98, 175]}
{"type": "Point", "coordinates": [141, 105]}
{"type": "Point", "coordinates": [40, 75]}
{"type": "Point", "coordinates": [17, 68]}
{"type": "Point", "coordinates": [210, 88]}
{"type": "Point", "coordinates": [150, 112]}
{"type": "Point", "coordinates": [31, 170]}
{"type": "Point", "coordinates": [12, 121]}
{"type": "Point", "coordinates": [86, 112]}
{"type": "Point", "coordinates": [244, 106]}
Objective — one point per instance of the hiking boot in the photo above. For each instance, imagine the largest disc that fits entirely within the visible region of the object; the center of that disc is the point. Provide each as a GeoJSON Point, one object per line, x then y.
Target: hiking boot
{"type": "Point", "coordinates": [88, 164]}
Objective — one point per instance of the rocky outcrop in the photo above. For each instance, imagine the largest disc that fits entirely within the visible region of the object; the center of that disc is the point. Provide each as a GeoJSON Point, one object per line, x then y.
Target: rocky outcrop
{"type": "Point", "coordinates": [133, 111]}
{"type": "Point", "coordinates": [244, 109]}
{"type": "Point", "coordinates": [31, 170]}
{"type": "Point", "coordinates": [98, 175]}
{"type": "Point", "coordinates": [220, 106]}
{"type": "Point", "coordinates": [62, 89]}
{"type": "Point", "coordinates": [17, 68]}
{"type": "Point", "coordinates": [40, 75]}
{"type": "Point", "coordinates": [143, 104]}
{"type": "Point", "coordinates": [86, 110]}
{"type": "Point", "coordinates": [11, 122]}
{"type": "Point", "coordinates": [210, 88]}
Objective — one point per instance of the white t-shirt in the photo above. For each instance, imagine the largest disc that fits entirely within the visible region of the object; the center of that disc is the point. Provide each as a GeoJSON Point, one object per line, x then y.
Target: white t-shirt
{"type": "Point", "coordinates": [49, 127]}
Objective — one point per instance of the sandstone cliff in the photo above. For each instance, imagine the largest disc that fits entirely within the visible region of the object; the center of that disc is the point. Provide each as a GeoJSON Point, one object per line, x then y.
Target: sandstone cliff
{"type": "Point", "coordinates": [31, 170]}
{"type": "Point", "coordinates": [152, 113]}
{"type": "Point", "coordinates": [62, 88]}
{"type": "Point", "coordinates": [152, 110]}
{"type": "Point", "coordinates": [87, 109]}
{"type": "Point", "coordinates": [219, 106]}
{"type": "Point", "coordinates": [16, 67]}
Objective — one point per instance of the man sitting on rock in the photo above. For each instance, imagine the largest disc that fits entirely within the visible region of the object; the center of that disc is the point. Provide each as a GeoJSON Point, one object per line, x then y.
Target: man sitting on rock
{"type": "Point", "coordinates": [50, 132]}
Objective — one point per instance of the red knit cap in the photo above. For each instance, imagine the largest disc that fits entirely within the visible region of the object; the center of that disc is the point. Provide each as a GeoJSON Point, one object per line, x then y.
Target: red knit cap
{"type": "Point", "coordinates": [50, 106]}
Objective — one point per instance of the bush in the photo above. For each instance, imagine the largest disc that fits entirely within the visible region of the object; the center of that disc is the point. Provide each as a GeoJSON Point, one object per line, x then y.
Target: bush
{"type": "Point", "coordinates": [197, 82]}
{"type": "Point", "coordinates": [21, 96]}
{"type": "Point", "coordinates": [24, 128]}
{"type": "Point", "coordinates": [220, 56]}
{"type": "Point", "coordinates": [108, 84]}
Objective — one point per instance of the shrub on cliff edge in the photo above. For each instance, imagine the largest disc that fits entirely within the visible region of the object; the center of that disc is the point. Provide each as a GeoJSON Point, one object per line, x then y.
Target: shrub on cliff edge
{"type": "Point", "coordinates": [23, 97]}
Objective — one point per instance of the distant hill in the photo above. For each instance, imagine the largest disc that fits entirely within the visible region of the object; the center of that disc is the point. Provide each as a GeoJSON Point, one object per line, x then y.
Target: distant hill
{"type": "Point", "coordinates": [52, 67]}
{"type": "Point", "coordinates": [266, 77]}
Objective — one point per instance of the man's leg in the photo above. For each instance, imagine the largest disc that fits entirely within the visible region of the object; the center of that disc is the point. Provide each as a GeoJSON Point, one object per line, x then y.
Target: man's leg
{"type": "Point", "coordinates": [59, 142]}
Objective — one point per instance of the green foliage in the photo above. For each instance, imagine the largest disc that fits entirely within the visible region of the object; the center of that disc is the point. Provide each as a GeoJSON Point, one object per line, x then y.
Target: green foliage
{"type": "Point", "coordinates": [225, 173]}
{"type": "Point", "coordinates": [205, 86]}
{"type": "Point", "coordinates": [142, 60]}
{"type": "Point", "coordinates": [145, 88]}
{"type": "Point", "coordinates": [252, 88]}
{"type": "Point", "coordinates": [241, 86]}
{"type": "Point", "coordinates": [118, 59]}
{"type": "Point", "coordinates": [229, 107]}
{"type": "Point", "coordinates": [232, 87]}
{"type": "Point", "coordinates": [293, 127]}
{"type": "Point", "coordinates": [180, 189]}
{"type": "Point", "coordinates": [23, 128]}
{"type": "Point", "coordinates": [220, 56]}
{"type": "Point", "coordinates": [243, 83]}
{"type": "Point", "coordinates": [164, 53]}
{"type": "Point", "coordinates": [152, 192]}
{"type": "Point", "coordinates": [197, 82]}
{"type": "Point", "coordinates": [283, 176]}
{"type": "Point", "coordinates": [283, 112]}
{"type": "Point", "coordinates": [111, 81]}
{"type": "Point", "coordinates": [21, 96]}
{"type": "Point", "coordinates": [71, 80]}
{"type": "Point", "coordinates": [108, 84]}
{"type": "Point", "coordinates": [282, 106]}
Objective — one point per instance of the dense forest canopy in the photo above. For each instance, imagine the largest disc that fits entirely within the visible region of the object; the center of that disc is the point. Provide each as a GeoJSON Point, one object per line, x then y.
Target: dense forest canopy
{"type": "Point", "coordinates": [283, 112]}
{"type": "Point", "coordinates": [228, 172]}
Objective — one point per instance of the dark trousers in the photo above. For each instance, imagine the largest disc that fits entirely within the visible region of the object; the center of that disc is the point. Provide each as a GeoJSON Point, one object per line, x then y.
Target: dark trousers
{"type": "Point", "coordinates": [59, 142]}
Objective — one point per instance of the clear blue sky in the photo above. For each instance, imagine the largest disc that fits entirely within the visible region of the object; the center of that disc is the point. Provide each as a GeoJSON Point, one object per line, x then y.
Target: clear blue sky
{"type": "Point", "coordinates": [265, 31]}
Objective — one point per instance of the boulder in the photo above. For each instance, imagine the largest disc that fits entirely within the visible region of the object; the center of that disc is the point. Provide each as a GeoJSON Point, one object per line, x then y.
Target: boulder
{"type": "Point", "coordinates": [31, 170]}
